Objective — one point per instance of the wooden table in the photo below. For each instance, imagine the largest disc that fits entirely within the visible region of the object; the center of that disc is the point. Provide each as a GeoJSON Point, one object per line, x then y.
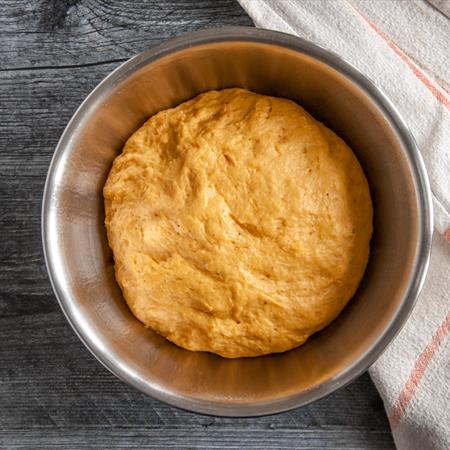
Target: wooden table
{"type": "Point", "coordinates": [53, 393]}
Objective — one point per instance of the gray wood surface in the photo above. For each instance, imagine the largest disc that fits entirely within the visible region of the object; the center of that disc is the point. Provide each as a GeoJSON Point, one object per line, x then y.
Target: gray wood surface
{"type": "Point", "coordinates": [53, 393]}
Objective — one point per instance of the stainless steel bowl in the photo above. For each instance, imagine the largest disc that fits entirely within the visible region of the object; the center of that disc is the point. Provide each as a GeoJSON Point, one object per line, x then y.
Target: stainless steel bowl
{"type": "Point", "coordinates": [80, 263]}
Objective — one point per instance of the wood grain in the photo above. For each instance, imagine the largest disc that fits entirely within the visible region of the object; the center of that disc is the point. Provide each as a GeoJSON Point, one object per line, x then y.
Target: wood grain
{"type": "Point", "coordinates": [53, 393]}
{"type": "Point", "coordinates": [142, 438]}
{"type": "Point", "coordinates": [45, 33]}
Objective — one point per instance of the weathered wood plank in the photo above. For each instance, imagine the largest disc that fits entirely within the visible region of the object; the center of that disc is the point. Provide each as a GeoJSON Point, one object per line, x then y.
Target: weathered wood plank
{"type": "Point", "coordinates": [53, 393]}
{"type": "Point", "coordinates": [142, 438]}
{"type": "Point", "coordinates": [74, 32]}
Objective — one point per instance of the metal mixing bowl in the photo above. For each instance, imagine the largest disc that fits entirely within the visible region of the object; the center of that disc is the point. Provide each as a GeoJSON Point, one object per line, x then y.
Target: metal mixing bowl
{"type": "Point", "coordinates": [80, 262]}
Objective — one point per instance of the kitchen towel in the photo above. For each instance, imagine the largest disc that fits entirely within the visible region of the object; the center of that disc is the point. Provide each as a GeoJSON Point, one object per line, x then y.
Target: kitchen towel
{"type": "Point", "coordinates": [403, 46]}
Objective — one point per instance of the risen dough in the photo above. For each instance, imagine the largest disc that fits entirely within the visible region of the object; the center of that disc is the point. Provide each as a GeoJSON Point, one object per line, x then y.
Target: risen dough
{"type": "Point", "coordinates": [239, 224]}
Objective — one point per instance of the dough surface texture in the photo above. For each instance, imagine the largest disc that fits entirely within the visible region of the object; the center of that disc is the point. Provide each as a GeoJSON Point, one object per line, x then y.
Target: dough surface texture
{"type": "Point", "coordinates": [239, 224]}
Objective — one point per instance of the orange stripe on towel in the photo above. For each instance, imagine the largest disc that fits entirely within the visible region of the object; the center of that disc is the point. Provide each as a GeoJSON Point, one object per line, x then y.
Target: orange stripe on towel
{"type": "Point", "coordinates": [417, 372]}
{"type": "Point", "coordinates": [447, 234]}
{"type": "Point", "coordinates": [416, 71]}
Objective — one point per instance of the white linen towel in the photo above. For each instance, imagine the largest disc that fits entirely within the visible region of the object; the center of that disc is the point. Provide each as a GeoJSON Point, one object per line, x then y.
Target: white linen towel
{"type": "Point", "coordinates": [403, 46]}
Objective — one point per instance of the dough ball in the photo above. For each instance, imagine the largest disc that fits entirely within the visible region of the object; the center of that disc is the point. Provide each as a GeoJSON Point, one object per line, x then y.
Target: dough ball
{"type": "Point", "coordinates": [239, 224]}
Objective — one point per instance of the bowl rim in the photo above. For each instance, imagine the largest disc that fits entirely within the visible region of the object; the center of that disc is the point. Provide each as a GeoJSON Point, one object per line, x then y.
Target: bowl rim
{"type": "Point", "coordinates": [419, 175]}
